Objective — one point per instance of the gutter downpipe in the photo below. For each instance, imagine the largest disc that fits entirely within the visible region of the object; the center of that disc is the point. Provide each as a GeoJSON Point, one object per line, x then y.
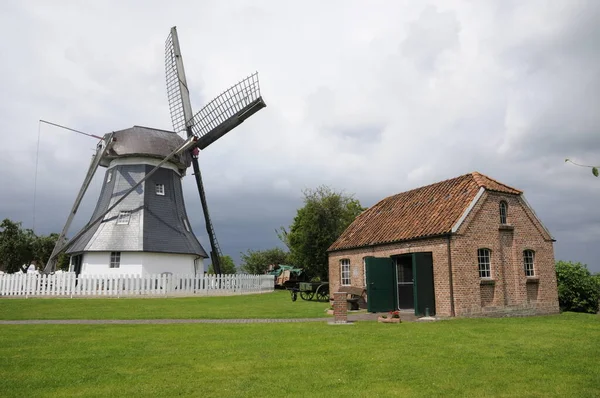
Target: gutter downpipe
{"type": "Point", "coordinates": [452, 312]}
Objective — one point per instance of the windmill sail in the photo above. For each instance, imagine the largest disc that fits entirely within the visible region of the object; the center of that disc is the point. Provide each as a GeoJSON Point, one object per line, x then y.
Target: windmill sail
{"type": "Point", "coordinates": [227, 111]}
{"type": "Point", "coordinates": [218, 117]}
{"type": "Point", "coordinates": [178, 94]}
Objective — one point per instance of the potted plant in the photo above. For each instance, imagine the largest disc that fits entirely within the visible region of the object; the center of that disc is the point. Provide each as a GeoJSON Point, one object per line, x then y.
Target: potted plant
{"type": "Point", "coordinates": [393, 318]}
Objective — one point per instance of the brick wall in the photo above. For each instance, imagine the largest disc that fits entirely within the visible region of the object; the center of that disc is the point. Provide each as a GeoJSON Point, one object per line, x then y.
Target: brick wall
{"type": "Point", "coordinates": [509, 290]}
{"type": "Point", "coordinates": [438, 247]}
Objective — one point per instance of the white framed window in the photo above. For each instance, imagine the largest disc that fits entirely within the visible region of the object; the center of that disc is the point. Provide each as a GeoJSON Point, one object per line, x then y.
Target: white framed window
{"type": "Point", "coordinates": [109, 176]}
{"type": "Point", "coordinates": [160, 189]}
{"type": "Point", "coordinates": [503, 212]}
{"type": "Point", "coordinates": [483, 259]}
{"type": "Point", "coordinates": [345, 272]}
{"type": "Point", "coordinates": [124, 217]}
{"type": "Point", "coordinates": [186, 224]}
{"type": "Point", "coordinates": [528, 262]}
{"type": "Point", "coordinates": [115, 259]}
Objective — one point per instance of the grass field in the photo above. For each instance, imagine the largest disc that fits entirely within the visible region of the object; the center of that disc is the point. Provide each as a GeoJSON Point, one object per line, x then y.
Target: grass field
{"type": "Point", "coordinates": [268, 305]}
{"type": "Point", "coordinates": [537, 356]}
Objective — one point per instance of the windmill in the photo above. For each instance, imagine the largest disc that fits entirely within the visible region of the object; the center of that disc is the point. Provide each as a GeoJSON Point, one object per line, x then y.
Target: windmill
{"type": "Point", "coordinates": [140, 213]}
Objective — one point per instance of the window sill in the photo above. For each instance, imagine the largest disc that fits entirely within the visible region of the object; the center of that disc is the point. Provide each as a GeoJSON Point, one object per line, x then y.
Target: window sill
{"type": "Point", "coordinates": [533, 279]}
{"type": "Point", "coordinates": [487, 281]}
{"type": "Point", "coordinates": [506, 227]}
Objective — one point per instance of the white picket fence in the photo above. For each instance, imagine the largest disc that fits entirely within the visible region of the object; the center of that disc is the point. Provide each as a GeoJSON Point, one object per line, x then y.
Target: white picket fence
{"type": "Point", "coordinates": [70, 285]}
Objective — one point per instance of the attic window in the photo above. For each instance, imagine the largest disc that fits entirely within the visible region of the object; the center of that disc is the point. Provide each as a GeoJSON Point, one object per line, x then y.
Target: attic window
{"type": "Point", "coordinates": [124, 217]}
{"type": "Point", "coordinates": [186, 225]}
{"type": "Point", "coordinates": [503, 212]}
{"type": "Point", "coordinates": [160, 189]}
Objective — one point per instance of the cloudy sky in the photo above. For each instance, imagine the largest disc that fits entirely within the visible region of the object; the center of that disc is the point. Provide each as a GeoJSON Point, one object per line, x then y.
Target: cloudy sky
{"type": "Point", "coordinates": [372, 98]}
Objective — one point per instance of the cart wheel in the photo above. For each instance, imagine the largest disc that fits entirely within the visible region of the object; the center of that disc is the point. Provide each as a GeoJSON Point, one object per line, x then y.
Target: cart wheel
{"type": "Point", "coordinates": [323, 293]}
{"type": "Point", "coordinates": [306, 295]}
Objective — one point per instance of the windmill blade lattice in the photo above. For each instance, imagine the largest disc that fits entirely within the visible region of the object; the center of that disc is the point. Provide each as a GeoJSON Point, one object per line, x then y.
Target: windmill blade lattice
{"type": "Point", "coordinates": [176, 89]}
{"type": "Point", "coordinates": [227, 110]}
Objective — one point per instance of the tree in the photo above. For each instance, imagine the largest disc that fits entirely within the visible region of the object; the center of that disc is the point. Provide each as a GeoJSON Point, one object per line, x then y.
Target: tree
{"type": "Point", "coordinates": [227, 266]}
{"type": "Point", "coordinates": [325, 215]}
{"type": "Point", "coordinates": [16, 246]}
{"type": "Point", "coordinates": [258, 261]}
{"type": "Point", "coordinates": [594, 168]}
{"type": "Point", "coordinates": [42, 250]}
{"type": "Point", "coordinates": [578, 290]}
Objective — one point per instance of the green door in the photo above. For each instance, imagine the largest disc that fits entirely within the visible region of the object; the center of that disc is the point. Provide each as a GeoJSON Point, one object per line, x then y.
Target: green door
{"type": "Point", "coordinates": [423, 287]}
{"type": "Point", "coordinates": [381, 284]}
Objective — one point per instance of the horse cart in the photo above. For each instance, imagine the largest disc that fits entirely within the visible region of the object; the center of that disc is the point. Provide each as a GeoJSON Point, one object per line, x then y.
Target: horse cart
{"type": "Point", "coordinates": [310, 290]}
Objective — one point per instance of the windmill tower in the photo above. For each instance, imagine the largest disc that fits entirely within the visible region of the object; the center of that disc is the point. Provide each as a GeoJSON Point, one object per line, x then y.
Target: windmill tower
{"type": "Point", "coordinates": [140, 224]}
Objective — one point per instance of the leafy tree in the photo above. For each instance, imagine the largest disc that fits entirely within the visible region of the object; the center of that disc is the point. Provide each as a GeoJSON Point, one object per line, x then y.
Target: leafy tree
{"type": "Point", "coordinates": [578, 290]}
{"type": "Point", "coordinates": [258, 261]}
{"type": "Point", "coordinates": [42, 250]}
{"type": "Point", "coordinates": [325, 215]}
{"type": "Point", "coordinates": [594, 168]}
{"type": "Point", "coordinates": [16, 246]}
{"type": "Point", "coordinates": [227, 266]}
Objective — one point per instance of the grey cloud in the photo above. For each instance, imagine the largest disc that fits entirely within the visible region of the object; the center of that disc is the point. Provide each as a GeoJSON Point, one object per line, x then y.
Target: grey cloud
{"type": "Point", "coordinates": [373, 100]}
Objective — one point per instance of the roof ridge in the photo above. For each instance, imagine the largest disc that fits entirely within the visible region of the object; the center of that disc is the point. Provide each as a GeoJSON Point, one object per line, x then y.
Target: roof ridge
{"type": "Point", "coordinates": [427, 186]}
{"type": "Point", "coordinates": [477, 176]}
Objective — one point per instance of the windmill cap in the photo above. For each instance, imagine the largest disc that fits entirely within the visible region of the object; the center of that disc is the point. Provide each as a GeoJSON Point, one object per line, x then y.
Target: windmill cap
{"type": "Point", "coordinates": [139, 141]}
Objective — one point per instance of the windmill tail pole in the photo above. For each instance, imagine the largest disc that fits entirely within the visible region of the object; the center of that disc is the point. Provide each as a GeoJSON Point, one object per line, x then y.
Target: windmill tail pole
{"type": "Point", "coordinates": [100, 152]}
{"type": "Point", "coordinates": [189, 143]}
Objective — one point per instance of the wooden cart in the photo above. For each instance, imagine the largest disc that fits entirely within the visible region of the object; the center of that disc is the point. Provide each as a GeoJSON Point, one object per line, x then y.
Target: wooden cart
{"type": "Point", "coordinates": [311, 290]}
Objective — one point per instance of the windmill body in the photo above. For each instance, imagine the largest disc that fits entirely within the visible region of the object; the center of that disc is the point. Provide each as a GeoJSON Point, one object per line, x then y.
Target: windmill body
{"type": "Point", "coordinates": [148, 232]}
{"type": "Point", "coordinates": [140, 224]}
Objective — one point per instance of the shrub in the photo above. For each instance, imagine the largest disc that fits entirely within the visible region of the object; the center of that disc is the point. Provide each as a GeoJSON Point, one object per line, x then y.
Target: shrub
{"type": "Point", "coordinates": [578, 290]}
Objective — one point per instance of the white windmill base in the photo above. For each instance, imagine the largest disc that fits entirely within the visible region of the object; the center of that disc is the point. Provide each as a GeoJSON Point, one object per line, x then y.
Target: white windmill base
{"type": "Point", "coordinates": [137, 263]}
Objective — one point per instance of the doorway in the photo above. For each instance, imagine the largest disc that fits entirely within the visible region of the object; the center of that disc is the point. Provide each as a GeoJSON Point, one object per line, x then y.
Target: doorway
{"type": "Point", "coordinates": [401, 282]}
{"type": "Point", "coordinates": [76, 261]}
{"type": "Point", "coordinates": [404, 272]}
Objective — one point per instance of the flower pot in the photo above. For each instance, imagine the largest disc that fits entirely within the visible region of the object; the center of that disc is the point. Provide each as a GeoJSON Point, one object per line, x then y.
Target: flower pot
{"type": "Point", "coordinates": [388, 320]}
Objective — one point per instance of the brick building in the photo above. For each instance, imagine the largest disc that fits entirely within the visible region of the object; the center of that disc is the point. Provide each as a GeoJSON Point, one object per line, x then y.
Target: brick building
{"type": "Point", "coordinates": [467, 246]}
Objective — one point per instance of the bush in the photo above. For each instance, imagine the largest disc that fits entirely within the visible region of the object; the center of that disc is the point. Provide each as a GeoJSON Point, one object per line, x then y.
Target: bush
{"type": "Point", "coordinates": [578, 290]}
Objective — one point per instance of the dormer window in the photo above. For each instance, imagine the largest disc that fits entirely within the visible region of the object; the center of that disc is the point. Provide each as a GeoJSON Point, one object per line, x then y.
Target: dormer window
{"type": "Point", "coordinates": [503, 212]}
{"type": "Point", "coordinates": [124, 217]}
{"type": "Point", "coordinates": [160, 189]}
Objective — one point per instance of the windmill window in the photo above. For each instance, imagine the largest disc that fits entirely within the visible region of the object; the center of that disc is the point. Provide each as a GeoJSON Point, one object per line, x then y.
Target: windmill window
{"type": "Point", "coordinates": [186, 225]}
{"type": "Point", "coordinates": [483, 259]}
{"type": "Point", "coordinates": [160, 189]}
{"type": "Point", "coordinates": [528, 262]}
{"type": "Point", "coordinates": [345, 272]}
{"type": "Point", "coordinates": [503, 212]}
{"type": "Point", "coordinates": [115, 259]}
{"type": "Point", "coordinates": [124, 217]}
{"type": "Point", "coordinates": [109, 176]}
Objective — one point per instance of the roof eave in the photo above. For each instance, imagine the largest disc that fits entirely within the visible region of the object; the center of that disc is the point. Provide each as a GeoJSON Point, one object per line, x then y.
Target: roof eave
{"type": "Point", "coordinates": [440, 235]}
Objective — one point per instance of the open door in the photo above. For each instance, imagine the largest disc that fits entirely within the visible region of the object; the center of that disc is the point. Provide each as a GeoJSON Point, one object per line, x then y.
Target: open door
{"type": "Point", "coordinates": [423, 286]}
{"type": "Point", "coordinates": [381, 284]}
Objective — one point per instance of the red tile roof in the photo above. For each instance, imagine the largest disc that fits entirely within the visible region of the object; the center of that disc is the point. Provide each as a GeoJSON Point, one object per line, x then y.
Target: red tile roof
{"type": "Point", "coordinates": [427, 211]}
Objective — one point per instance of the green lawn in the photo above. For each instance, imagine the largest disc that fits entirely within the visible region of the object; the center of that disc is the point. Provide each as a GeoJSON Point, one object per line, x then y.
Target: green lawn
{"type": "Point", "coordinates": [267, 305]}
{"type": "Point", "coordinates": [553, 356]}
